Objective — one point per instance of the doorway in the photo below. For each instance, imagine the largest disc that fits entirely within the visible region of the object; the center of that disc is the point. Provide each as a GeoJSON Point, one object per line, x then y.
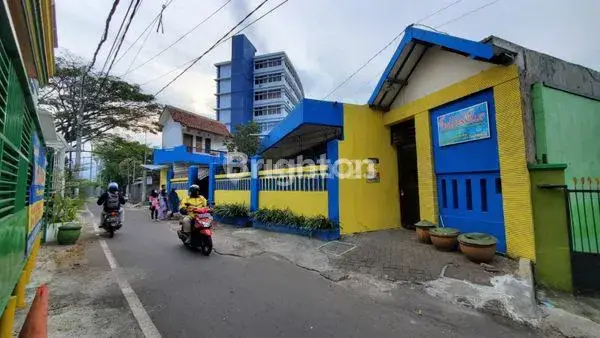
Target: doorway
{"type": "Point", "coordinates": [403, 138]}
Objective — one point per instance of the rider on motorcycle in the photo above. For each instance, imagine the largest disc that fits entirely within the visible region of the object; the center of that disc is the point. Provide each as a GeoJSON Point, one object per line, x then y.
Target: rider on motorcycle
{"type": "Point", "coordinates": [112, 200]}
{"type": "Point", "coordinates": [194, 200]}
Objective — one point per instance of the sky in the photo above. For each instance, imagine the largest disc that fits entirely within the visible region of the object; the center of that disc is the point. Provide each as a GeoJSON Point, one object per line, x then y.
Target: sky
{"type": "Point", "coordinates": [327, 40]}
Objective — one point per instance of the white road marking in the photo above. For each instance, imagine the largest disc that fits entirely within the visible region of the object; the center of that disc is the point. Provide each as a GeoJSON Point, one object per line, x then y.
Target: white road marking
{"type": "Point", "coordinates": [141, 315]}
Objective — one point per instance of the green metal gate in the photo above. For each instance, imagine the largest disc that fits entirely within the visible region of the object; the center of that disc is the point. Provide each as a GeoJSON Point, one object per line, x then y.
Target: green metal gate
{"type": "Point", "coordinates": [17, 125]}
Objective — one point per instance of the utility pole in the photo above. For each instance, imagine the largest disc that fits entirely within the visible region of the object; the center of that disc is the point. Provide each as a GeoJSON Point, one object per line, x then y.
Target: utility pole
{"type": "Point", "coordinates": [145, 172]}
{"type": "Point", "coordinates": [78, 129]}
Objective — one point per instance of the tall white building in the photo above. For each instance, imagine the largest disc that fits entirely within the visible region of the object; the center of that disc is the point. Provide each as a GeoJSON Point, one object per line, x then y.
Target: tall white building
{"type": "Point", "coordinates": [264, 88]}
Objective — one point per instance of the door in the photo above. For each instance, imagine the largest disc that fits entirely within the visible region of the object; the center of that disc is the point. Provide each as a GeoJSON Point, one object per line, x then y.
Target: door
{"type": "Point", "coordinates": [467, 167]}
{"type": "Point", "coordinates": [403, 137]}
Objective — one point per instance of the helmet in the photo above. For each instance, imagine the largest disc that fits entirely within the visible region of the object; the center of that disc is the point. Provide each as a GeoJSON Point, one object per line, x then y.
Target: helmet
{"type": "Point", "coordinates": [194, 190]}
{"type": "Point", "coordinates": [113, 187]}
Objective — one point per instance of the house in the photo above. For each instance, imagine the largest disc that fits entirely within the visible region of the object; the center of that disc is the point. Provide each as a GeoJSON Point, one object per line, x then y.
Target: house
{"type": "Point", "coordinates": [483, 136]}
{"type": "Point", "coordinates": [190, 142]}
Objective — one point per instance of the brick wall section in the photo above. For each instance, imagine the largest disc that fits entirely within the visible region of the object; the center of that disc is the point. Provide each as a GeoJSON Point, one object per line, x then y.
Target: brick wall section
{"type": "Point", "coordinates": [427, 183]}
{"type": "Point", "coordinates": [516, 191]}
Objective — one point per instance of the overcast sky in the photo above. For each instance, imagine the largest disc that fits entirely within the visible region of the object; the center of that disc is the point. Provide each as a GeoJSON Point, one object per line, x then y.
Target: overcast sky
{"type": "Point", "coordinates": [327, 40]}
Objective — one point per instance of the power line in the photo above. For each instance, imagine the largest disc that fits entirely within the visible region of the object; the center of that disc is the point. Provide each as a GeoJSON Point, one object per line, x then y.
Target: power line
{"type": "Point", "coordinates": [112, 47]}
{"type": "Point", "coordinates": [179, 39]}
{"type": "Point", "coordinates": [138, 52]}
{"type": "Point", "coordinates": [220, 43]}
{"type": "Point", "coordinates": [211, 47]}
{"type": "Point", "coordinates": [467, 14]}
{"type": "Point", "coordinates": [145, 30]}
{"type": "Point", "coordinates": [387, 46]}
{"type": "Point", "coordinates": [104, 35]}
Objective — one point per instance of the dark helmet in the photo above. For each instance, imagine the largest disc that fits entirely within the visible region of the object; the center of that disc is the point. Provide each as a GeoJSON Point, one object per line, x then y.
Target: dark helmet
{"type": "Point", "coordinates": [194, 190]}
{"type": "Point", "coordinates": [113, 187]}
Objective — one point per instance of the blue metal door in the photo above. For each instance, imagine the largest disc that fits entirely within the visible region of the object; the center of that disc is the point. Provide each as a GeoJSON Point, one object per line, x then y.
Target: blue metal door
{"type": "Point", "coordinates": [467, 168]}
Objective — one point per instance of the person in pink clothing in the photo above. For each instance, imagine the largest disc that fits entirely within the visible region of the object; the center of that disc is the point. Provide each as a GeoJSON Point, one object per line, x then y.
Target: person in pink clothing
{"type": "Point", "coordinates": [154, 205]}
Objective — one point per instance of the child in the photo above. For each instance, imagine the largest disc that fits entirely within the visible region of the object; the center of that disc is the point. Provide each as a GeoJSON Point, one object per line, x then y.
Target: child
{"type": "Point", "coordinates": [154, 205]}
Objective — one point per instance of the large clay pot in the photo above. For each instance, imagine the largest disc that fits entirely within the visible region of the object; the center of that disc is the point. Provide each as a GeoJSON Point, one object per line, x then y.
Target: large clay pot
{"type": "Point", "coordinates": [68, 233]}
{"type": "Point", "coordinates": [478, 247]}
{"type": "Point", "coordinates": [423, 231]}
{"type": "Point", "coordinates": [444, 239]}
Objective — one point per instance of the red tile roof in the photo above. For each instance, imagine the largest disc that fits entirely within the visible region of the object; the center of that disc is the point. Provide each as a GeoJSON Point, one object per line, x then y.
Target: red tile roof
{"type": "Point", "coordinates": [191, 120]}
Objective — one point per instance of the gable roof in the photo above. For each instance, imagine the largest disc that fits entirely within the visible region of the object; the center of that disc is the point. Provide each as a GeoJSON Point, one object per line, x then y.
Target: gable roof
{"type": "Point", "coordinates": [413, 46]}
{"type": "Point", "coordinates": [192, 120]}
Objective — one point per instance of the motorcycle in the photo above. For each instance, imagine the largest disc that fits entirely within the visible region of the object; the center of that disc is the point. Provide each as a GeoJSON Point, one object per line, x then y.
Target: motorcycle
{"type": "Point", "coordinates": [201, 231]}
{"type": "Point", "coordinates": [110, 223]}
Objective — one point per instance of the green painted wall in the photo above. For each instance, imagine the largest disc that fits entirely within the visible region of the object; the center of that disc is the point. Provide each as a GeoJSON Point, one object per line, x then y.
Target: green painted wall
{"type": "Point", "coordinates": [552, 261]}
{"type": "Point", "coordinates": [567, 131]}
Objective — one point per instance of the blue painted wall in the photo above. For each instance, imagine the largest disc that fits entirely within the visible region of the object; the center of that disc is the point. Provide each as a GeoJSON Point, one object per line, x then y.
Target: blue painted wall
{"type": "Point", "coordinates": [242, 80]}
{"type": "Point", "coordinates": [468, 176]}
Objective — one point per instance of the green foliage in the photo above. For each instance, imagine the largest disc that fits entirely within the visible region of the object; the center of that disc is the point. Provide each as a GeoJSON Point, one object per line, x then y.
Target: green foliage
{"type": "Point", "coordinates": [119, 155]}
{"type": "Point", "coordinates": [291, 219]}
{"type": "Point", "coordinates": [232, 210]}
{"type": "Point", "coordinates": [245, 139]}
{"type": "Point", "coordinates": [63, 209]}
{"type": "Point", "coordinates": [110, 103]}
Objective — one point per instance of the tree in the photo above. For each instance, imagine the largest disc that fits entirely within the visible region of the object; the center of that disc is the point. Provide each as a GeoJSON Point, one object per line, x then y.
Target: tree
{"type": "Point", "coordinates": [110, 102]}
{"type": "Point", "coordinates": [245, 139]}
{"type": "Point", "coordinates": [119, 156]}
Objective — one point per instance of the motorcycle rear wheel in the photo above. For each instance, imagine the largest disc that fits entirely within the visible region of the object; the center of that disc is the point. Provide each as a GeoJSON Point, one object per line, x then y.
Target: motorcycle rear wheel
{"type": "Point", "coordinates": [111, 232]}
{"type": "Point", "coordinates": [206, 246]}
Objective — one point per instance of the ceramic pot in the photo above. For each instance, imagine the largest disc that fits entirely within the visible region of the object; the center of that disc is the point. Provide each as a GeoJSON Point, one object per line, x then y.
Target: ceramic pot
{"type": "Point", "coordinates": [444, 239]}
{"type": "Point", "coordinates": [478, 247]}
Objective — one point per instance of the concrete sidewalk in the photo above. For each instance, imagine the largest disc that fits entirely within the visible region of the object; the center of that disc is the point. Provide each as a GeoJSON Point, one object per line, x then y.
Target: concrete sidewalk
{"type": "Point", "coordinates": [85, 300]}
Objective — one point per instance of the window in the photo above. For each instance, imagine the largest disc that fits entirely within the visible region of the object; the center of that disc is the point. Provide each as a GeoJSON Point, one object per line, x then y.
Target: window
{"type": "Point", "coordinates": [267, 79]}
{"type": "Point", "coordinates": [483, 189]}
{"type": "Point", "coordinates": [188, 140]}
{"type": "Point", "coordinates": [267, 126]}
{"type": "Point", "coordinates": [267, 63]}
{"type": "Point", "coordinates": [267, 95]}
{"type": "Point", "coordinates": [207, 145]}
{"type": "Point", "coordinates": [267, 110]}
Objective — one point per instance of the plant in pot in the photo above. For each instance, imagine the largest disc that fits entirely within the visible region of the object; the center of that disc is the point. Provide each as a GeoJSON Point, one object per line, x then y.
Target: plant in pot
{"type": "Point", "coordinates": [423, 228]}
{"type": "Point", "coordinates": [237, 214]}
{"type": "Point", "coordinates": [444, 239]}
{"type": "Point", "coordinates": [64, 218]}
{"type": "Point", "coordinates": [478, 247]}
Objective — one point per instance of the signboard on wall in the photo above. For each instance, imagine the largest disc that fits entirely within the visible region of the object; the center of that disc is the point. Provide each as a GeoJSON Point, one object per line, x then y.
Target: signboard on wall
{"type": "Point", "coordinates": [36, 190]}
{"type": "Point", "coordinates": [464, 125]}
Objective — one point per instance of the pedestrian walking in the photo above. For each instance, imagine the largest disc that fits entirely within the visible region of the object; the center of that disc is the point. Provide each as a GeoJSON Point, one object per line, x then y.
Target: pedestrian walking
{"type": "Point", "coordinates": [173, 199]}
{"type": "Point", "coordinates": [154, 205]}
{"type": "Point", "coordinates": [163, 205]}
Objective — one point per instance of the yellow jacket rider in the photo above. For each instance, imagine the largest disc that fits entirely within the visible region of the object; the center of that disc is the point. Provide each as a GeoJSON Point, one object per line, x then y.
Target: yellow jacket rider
{"type": "Point", "coordinates": [193, 200]}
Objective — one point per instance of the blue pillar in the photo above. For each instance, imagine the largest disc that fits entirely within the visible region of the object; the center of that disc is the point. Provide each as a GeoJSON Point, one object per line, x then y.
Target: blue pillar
{"type": "Point", "coordinates": [254, 182]}
{"type": "Point", "coordinates": [212, 171]}
{"type": "Point", "coordinates": [170, 175]}
{"type": "Point", "coordinates": [192, 175]}
{"type": "Point", "coordinates": [333, 183]}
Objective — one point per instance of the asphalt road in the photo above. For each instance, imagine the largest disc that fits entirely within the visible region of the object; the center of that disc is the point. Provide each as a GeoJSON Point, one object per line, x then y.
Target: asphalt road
{"type": "Point", "coordinates": [188, 295]}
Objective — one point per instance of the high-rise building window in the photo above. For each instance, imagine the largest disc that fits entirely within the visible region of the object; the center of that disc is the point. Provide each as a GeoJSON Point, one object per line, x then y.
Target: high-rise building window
{"type": "Point", "coordinates": [267, 94]}
{"type": "Point", "coordinates": [267, 63]}
{"type": "Point", "coordinates": [267, 110]}
{"type": "Point", "coordinates": [267, 79]}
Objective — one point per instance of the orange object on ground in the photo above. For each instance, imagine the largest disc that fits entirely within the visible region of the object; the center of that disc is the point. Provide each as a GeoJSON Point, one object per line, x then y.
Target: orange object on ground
{"type": "Point", "coordinates": [36, 323]}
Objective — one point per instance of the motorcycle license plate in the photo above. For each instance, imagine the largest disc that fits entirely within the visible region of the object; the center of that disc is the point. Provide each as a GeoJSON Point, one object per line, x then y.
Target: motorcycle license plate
{"type": "Point", "coordinates": [206, 232]}
{"type": "Point", "coordinates": [113, 219]}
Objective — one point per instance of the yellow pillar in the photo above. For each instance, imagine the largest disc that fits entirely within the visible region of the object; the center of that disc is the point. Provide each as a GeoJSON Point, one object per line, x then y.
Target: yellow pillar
{"type": "Point", "coordinates": [20, 290]}
{"type": "Point", "coordinates": [427, 181]}
{"type": "Point", "coordinates": [163, 177]}
{"type": "Point", "coordinates": [7, 321]}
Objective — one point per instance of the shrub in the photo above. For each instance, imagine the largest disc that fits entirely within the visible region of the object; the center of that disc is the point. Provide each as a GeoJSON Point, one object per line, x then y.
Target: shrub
{"type": "Point", "coordinates": [63, 209]}
{"type": "Point", "coordinates": [232, 210]}
{"type": "Point", "coordinates": [289, 218]}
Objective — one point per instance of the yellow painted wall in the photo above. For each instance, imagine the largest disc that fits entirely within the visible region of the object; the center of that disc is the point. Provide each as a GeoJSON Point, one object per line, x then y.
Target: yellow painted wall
{"type": "Point", "coordinates": [232, 196]}
{"type": "Point", "coordinates": [368, 206]}
{"type": "Point", "coordinates": [308, 203]}
{"type": "Point", "coordinates": [516, 188]}
{"type": "Point", "coordinates": [518, 212]}
{"type": "Point", "coordinates": [163, 177]}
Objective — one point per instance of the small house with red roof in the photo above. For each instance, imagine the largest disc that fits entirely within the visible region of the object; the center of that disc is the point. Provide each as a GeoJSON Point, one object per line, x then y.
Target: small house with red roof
{"type": "Point", "coordinates": [190, 143]}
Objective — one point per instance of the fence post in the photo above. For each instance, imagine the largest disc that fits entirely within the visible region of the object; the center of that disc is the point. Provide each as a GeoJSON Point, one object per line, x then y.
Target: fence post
{"type": "Point", "coordinates": [254, 186]}
{"type": "Point", "coordinates": [333, 184]}
{"type": "Point", "coordinates": [551, 228]}
{"type": "Point", "coordinates": [212, 171]}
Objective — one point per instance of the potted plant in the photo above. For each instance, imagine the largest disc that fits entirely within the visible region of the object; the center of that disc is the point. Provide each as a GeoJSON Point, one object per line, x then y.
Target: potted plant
{"type": "Point", "coordinates": [478, 247]}
{"type": "Point", "coordinates": [236, 214]}
{"type": "Point", "coordinates": [423, 231]}
{"type": "Point", "coordinates": [64, 218]}
{"type": "Point", "coordinates": [444, 239]}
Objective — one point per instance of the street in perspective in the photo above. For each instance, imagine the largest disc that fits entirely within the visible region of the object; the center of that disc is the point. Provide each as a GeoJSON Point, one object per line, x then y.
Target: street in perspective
{"type": "Point", "coordinates": [288, 168]}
